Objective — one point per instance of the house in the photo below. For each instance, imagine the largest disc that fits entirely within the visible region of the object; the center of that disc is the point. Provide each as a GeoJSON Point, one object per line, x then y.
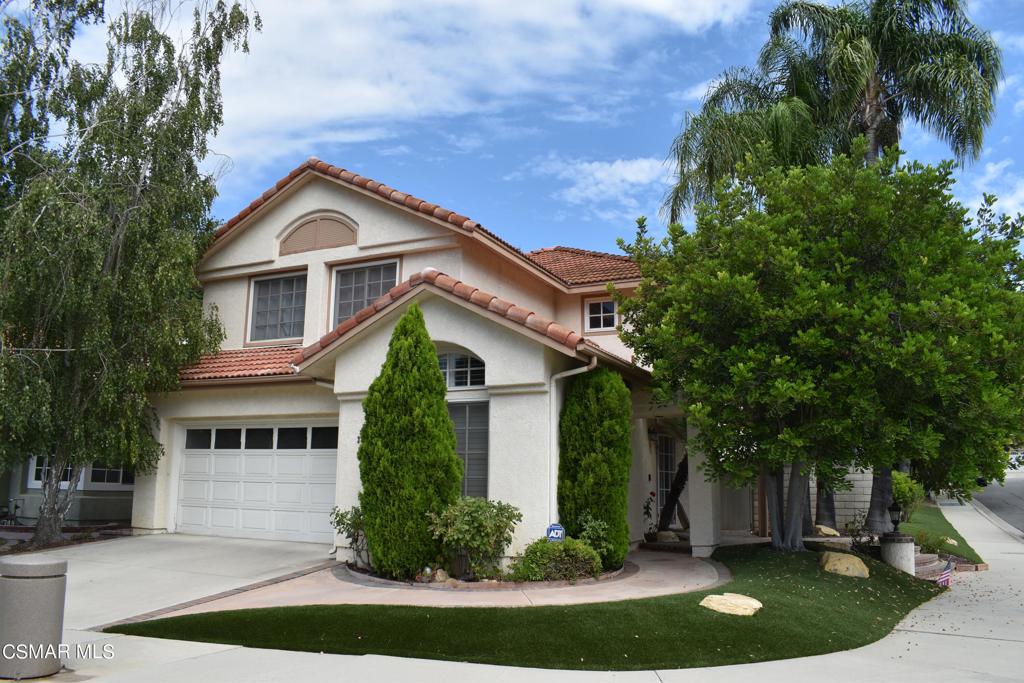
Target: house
{"type": "Point", "coordinates": [308, 281]}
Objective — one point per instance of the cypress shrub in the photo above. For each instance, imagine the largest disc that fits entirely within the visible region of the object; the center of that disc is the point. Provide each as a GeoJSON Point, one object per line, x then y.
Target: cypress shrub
{"type": "Point", "coordinates": [594, 460]}
{"type": "Point", "coordinates": [407, 460]}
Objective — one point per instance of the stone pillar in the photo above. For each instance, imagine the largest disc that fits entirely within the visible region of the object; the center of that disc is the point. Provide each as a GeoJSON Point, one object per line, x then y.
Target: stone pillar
{"type": "Point", "coordinates": [898, 552]}
{"type": "Point", "coordinates": [705, 502]}
{"type": "Point", "coordinates": [350, 421]}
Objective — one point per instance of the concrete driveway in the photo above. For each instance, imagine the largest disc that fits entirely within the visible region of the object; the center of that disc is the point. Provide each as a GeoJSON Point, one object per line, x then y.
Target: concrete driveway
{"type": "Point", "coordinates": [113, 580]}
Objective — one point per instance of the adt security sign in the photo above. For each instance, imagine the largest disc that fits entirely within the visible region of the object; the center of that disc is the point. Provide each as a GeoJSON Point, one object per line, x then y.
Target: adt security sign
{"type": "Point", "coordinates": [556, 533]}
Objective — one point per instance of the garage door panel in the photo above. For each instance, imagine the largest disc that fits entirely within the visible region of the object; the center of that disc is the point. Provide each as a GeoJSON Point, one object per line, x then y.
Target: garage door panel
{"type": "Point", "coordinates": [226, 492]}
{"type": "Point", "coordinates": [227, 464]}
{"type": "Point", "coordinates": [259, 464]}
{"type": "Point", "coordinates": [321, 494]}
{"type": "Point", "coordinates": [289, 493]}
{"type": "Point", "coordinates": [256, 492]}
{"type": "Point", "coordinates": [192, 490]}
{"type": "Point", "coordinates": [290, 465]}
{"type": "Point", "coordinates": [224, 518]}
{"type": "Point", "coordinates": [322, 466]}
{"type": "Point", "coordinates": [197, 464]}
{"type": "Point", "coordinates": [288, 521]}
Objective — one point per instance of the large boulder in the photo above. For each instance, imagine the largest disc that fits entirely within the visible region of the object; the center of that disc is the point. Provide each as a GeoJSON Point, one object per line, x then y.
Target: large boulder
{"type": "Point", "coordinates": [667, 537]}
{"type": "Point", "coordinates": [823, 530]}
{"type": "Point", "coordinates": [732, 603]}
{"type": "Point", "coordinates": [843, 564]}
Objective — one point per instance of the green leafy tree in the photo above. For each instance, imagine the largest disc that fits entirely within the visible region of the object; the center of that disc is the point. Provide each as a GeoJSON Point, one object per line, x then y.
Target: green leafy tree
{"type": "Point", "coordinates": [829, 74]}
{"type": "Point", "coordinates": [407, 461]}
{"type": "Point", "coordinates": [594, 459]}
{"type": "Point", "coordinates": [101, 229]}
{"type": "Point", "coordinates": [835, 316]}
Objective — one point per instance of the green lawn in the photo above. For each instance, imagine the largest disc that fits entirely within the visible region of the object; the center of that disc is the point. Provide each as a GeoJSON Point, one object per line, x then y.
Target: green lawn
{"type": "Point", "coordinates": [929, 518]}
{"type": "Point", "coordinates": [806, 612]}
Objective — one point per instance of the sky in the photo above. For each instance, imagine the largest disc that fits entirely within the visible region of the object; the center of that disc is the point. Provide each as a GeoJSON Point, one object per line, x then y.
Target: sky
{"type": "Point", "coordinates": [548, 122]}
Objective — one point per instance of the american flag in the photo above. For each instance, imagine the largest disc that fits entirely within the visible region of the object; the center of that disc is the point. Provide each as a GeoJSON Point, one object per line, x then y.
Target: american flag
{"type": "Point", "coordinates": [947, 574]}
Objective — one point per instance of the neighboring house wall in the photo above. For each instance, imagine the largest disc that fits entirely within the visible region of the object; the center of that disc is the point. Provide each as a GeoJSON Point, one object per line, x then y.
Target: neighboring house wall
{"type": "Point", "coordinates": [92, 503]}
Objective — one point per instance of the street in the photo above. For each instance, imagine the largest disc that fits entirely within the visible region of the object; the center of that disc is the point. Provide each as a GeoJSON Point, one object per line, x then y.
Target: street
{"type": "Point", "coordinates": [1006, 501]}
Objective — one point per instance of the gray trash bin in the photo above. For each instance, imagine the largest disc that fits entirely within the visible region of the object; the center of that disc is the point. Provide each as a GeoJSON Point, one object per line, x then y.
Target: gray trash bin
{"type": "Point", "coordinates": [31, 615]}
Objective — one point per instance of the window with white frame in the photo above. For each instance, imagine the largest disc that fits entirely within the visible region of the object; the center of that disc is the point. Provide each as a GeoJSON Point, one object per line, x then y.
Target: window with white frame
{"type": "Point", "coordinates": [95, 476]}
{"type": "Point", "coordinates": [471, 424]}
{"type": "Point", "coordinates": [600, 315]}
{"type": "Point", "coordinates": [278, 308]}
{"type": "Point", "coordinates": [461, 370]}
{"type": "Point", "coordinates": [356, 287]}
{"type": "Point", "coordinates": [666, 470]}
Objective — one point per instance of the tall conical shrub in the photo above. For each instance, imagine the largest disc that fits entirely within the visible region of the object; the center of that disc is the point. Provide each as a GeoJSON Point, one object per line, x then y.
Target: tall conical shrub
{"type": "Point", "coordinates": [595, 457]}
{"type": "Point", "coordinates": [407, 459]}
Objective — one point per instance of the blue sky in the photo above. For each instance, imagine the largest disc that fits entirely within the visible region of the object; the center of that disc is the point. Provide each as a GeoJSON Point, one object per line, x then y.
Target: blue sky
{"type": "Point", "coordinates": [549, 122]}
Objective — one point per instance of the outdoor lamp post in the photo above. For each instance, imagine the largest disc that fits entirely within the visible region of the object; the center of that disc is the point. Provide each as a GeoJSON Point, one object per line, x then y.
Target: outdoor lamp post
{"type": "Point", "coordinates": [894, 516]}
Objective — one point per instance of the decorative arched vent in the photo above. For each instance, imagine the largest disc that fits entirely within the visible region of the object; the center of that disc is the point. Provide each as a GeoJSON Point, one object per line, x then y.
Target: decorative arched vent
{"type": "Point", "coordinates": [321, 232]}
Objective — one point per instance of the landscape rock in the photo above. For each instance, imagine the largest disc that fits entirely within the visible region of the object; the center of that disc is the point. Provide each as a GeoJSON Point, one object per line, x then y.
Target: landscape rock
{"type": "Point", "coordinates": [732, 603]}
{"type": "Point", "coordinates": [843, 564]}
{"type": "Point", "coordinates": [823, 530]}
{"type": "Point", "coordinates": [667, 537]}
{"type": "Point", "coordinates": [951, 541]}
{"type": "Point", "coordinates": [452, 583]}
{"type": "Point", "coordinates": [440, 576]}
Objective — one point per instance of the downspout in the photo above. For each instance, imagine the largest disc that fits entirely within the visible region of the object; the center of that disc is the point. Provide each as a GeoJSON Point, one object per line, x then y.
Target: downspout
{"type": "Point", "coordinates": [553, 422]}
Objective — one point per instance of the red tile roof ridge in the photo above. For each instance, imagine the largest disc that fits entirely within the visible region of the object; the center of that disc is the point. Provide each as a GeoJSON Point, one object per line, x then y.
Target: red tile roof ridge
{"type": "Point", "coordinates": [462, 290]}
{"type": "Point", "coordinates": [578, 250]}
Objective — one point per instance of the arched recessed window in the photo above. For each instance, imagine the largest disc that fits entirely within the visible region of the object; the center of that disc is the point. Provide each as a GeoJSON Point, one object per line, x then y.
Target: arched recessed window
{"type": "Point", "coordinates": [461, 370]}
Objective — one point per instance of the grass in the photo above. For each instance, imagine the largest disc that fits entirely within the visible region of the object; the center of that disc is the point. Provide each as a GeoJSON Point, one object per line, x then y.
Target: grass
{"type": "Point", "coordinates": [806, 612]}
{"type": "Point", "coordinates": [929, 518]}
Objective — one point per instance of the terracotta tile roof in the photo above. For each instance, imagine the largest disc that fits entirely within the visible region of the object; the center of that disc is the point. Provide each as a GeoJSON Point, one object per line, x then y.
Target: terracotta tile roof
{"type": "Point", "coordinates": [580, 266]}
{"type": "Point", "coordinates": [433, 277]}
{"type": "Point", "coordinates": [266, 361]}
{"type": "Point", "coordinates": [314, 164]}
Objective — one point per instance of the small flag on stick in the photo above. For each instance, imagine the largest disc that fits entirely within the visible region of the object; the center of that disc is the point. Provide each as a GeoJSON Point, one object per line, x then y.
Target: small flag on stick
{"type": "Point", "coordinates": [947, 574]}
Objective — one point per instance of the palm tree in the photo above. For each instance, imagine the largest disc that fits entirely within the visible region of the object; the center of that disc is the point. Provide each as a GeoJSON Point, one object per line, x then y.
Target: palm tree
{"type": "Point", "coordinates": [860, 68]}
{"type": "Point", "coordinates": [780, 103]}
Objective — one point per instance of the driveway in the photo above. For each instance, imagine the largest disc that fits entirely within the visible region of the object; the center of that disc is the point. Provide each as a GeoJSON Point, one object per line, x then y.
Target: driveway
{"type": "Point", "coordinates": [113, 580]}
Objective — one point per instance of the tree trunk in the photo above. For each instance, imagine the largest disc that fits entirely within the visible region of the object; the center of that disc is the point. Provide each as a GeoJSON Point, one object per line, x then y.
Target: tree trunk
{"type": "Point", "coordinates": [773, 495]}
{"type": "Point", "coordinates": [825, 515]}
{"type": "Point", "coordinates": [793, 540]}
{"type": "Point", "coordinates": [877, 521]}
{"type": "Point", "coordinates": [808, 525]}
{"type": "Point", "coordinates": [872, 119]}
{"type": "Point", "coordinates": [678, 484]}
{"type": "Point", "coordinates": [54, 506]}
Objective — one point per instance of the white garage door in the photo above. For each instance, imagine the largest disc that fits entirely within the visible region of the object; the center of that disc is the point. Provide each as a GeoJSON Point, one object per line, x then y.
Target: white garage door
{"type": "Point", "coordinates": [258, 481]}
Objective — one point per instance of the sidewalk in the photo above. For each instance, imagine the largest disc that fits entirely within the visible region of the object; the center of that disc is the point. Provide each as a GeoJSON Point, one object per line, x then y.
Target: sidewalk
{"type": "Point", "coordinates": [974, 632]}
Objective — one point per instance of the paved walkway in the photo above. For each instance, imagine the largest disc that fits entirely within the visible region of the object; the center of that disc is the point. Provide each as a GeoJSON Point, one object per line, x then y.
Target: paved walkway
{"type": "Point", "coordinates": [974, 632]}
{"type": "Point", "coordinates": [657, 574]}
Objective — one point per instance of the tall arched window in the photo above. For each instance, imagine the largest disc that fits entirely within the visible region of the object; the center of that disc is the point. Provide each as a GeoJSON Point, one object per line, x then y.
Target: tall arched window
{"type": "Point", "coordinates": [462, 370]}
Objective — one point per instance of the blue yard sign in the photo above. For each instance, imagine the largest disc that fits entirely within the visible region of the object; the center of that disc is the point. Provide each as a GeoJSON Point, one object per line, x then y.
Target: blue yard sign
{"type": "Point", "coordinates": [556, 533]}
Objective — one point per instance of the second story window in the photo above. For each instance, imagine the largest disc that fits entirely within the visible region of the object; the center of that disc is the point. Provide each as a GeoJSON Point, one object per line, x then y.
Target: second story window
{"type": "Point", "coordinates": [461, 370]}
{"type": "Point", "coordinates": [278, 308]}
{"type": "Point", "coordinates": [599, 315]}
{"type": "Point", "coordinates": [357, 287]}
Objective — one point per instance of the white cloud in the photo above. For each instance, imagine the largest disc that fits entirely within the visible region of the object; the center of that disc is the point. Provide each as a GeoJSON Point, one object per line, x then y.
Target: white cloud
{"type": "Point", "coordinates": [323, 71]}
{"type": "Point", "coordinates": [1013, 42]}
{"type": "Point", "coordinates": [616, 190]}
{"type": "Point", "coordinates": [695, 93]}
{"type": "Point", "coordinates": [997, 178]}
